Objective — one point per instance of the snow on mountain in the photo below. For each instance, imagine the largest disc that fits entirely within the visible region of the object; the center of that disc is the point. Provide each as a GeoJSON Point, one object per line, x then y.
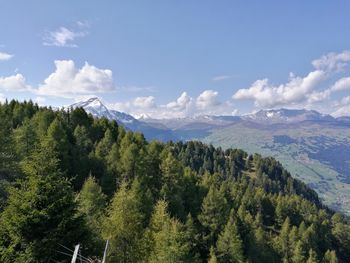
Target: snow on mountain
{"type": "Point", "coordinates": [286, 116]}
{"type": "Point", "coordinates": [95, 107]}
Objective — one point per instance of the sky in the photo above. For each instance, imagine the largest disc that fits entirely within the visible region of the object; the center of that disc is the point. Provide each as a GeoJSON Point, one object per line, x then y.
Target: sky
{"type": "Point", "coordinates": [180, 58]}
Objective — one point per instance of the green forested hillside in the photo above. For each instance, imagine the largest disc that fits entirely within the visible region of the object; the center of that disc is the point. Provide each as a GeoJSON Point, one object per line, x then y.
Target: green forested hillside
{"type": "Point", "coordinates": [66, 178]}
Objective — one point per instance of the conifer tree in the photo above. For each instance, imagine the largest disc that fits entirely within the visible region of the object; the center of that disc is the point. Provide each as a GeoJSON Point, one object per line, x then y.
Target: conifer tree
{"type": "Point", "coordinates": [123, 227]}
{"type": "Point", "coordinates": [40, 214]}
{"type": "Point", "coordinates": [105, 145]}
{"type": "Point", "coordinates": [330, 257]}
{"type": "Point", "coordinates": [57, 141]}
{"type": "Point", "coordinates": [213, 216]}
{"type": "Point", "coordinates": [167, 238]}
{"type": "Point", "coordinates": [312, 257]}
{"type": "Point", "coordinates": [229, 245]}
{"type": "Point", "coordinates": [8, 162]}
{"type": "Point", "coordinates": [91, 200]}
{"type": "Point", "coordinates": [212, 256]}
{"type": "Point", "coordinates": [298, 253]}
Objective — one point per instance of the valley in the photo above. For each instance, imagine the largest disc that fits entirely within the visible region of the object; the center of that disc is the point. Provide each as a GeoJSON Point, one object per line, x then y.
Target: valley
{"type": "Point", "coordinates": [314, 147]}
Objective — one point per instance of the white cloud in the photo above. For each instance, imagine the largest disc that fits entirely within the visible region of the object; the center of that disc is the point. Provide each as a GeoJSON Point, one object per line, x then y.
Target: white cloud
{"type": "Point", "coordinates": [5, 56]}
{"type": "Point", "coordinates": [235, 112]}
{"type": "Point", "coordinates": [342, 107]}
{"type": "Point", "coordinates": [342, 111]}
{"type": "Point", "coordinates": [14, 83]}
{"type": "Point", "coordinates": [299, 89]}
{"type": "Point", "coordinates": [2, 98]}
{"type": "Point", "coordinates": [69, 81]}
{"type": "Point", "coordinates": [183, 103]}
{"type": "Point", "coordinates": [184, 106]}
{"type": "Point", "coordinates": [40, 100]}
{"type": "Point", "coordinates": [294, 91]}
{"type": "Point", "coordinates": [145, 102]}
{"type": "Point", "coordinates": [341, 84]}
{"type": "Point", "coordinates": [63, 37]}
{"type": "Point", "coordinates": [207, 99]}
{"type": "Point", "coordinates": [221, 77]}
{"type": "Point", "coordinates": [332, 61]}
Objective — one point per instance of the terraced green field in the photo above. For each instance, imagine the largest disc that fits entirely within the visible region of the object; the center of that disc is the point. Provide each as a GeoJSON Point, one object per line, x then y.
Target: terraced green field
{"type": "Point", "coordinates": [317, 154]}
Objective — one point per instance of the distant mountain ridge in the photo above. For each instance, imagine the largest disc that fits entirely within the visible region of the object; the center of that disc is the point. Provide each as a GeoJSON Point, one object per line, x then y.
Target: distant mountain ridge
{"type": "Point", "coordinates": [272, 116]}
{"type": "Point", "coordinates": [96, 108]}
{"type": "Point", "coordinates": [315, 147]}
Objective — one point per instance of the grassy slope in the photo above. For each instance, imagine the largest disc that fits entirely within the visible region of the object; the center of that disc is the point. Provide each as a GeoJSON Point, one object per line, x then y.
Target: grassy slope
{"type": "Point", "coordinates": [305, 156]}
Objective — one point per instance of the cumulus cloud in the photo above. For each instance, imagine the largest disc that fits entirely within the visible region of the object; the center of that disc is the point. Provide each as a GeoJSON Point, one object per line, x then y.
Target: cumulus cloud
{"type": "Point", "coordinates": [341, 84]}
{"type": "Point", "coordinates": [265, 94]}
{"type": "Point", "coordinates": [14, 83]}
{"type": "Point", "coordinates": [183, 103]}
{"type": "Point", "coordinates": [299, 89]}
{"type": "Point", "coordinates": [145, 102]}
{"type": "Point", "coordinates": [206, 103]}
{"type": "Point", "coordinates": [342, 107]}
{"type": "Point", "coordinates": [342, 111]}
{"type": "Point", "coordinates": [69, 81]}
{"type": "Point", "coordinates": [63, 37]}
{"type": "Point", "coordinates": [207, 98]}
{"type": "Point", "coordinates": [5, 56]}
{"type": "Point", "coordinates": [332, 61]}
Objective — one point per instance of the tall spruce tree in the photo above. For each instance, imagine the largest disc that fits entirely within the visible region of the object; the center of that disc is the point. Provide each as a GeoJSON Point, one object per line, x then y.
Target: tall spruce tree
{"type": "Point", "coordinates": [123, 226]}
{"type": "Point", "coordinates": [213, 216]}
{"type": "Point", "coordinates": [167, 238]}
{"type": "Point", "coordinates": [229, 245]}
{"type": "Point", "coordinates": [41, 213]}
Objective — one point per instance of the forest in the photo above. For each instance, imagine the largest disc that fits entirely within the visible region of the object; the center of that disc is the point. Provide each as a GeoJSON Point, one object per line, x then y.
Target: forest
{"type": "Point", "coordinates": [67, 178]}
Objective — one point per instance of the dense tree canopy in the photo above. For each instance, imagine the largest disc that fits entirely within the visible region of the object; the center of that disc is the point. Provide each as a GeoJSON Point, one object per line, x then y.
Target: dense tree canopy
{"type": "Point", "coordinates": [67, 178]}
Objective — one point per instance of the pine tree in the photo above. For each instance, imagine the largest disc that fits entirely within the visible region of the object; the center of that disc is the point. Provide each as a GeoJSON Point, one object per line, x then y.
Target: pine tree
{"type": "Point", "coordinates": [282, 241]}
{"type": "Point", "coordinates": [25, 138]}
{"type": "Point", "coordinates": [8, 162]}
{"type": "Point", "coordinates": [298, 253]}
{"type": "Point", "coordinates": [57, 141]}
{"type": "Point", "coordinates": [173, 184]}
{"type": "Point", "coordinates": [213, 216]}
{"type": "Point", "coordinates": [330, 257]}
{"type": "Point", "coordinates": [40, 214]}
{"type": "Point", "coordinates": [123, 227]}
{"type": "Point", "coordinates": [312, 257]}
{"type": "Point", "coordinates": [167, 238]}
{"type": "Point", "coordinates": [229, 245]}
{"type": "Point", "coordinates": [192, 238]}
{"type": "Point", "coordinates": [91, 200]}
{"type": "Point", "coordinates": [105, 145]}
{"type": "Point", "coordinates": [212, 256]}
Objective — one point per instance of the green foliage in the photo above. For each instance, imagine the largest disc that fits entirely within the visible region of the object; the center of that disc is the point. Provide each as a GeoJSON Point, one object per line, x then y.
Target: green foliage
{"type": "Point", "coordinates": [212, 256]}
{"type": "Point", "coordinates": [40, 214]}
{"type": "Point", "coordinates": [312, 257]}
{"type": "Point", "coordinates": [213, 215]}
{"type": "Point", "coordinates": [123, 226]}
{"type": "Point", "coordinates": [229, 245]}
{"type": "Point", "coordinates": [330, 257]}
{"type": "Point", "coordinates": [155, 202]}
{"type": "Point", "coordinates": [167, 237]}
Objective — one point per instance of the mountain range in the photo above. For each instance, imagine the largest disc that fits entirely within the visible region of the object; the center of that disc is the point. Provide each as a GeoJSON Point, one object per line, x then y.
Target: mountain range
{"type": "Point", "coordinates": [314, 147]}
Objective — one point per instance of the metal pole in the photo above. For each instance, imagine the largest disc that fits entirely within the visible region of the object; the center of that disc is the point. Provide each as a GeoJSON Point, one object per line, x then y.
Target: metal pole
{"type": "Point", "coordinates": [75, 254]}
{"type": "Point", "coordinates": [105, 253]}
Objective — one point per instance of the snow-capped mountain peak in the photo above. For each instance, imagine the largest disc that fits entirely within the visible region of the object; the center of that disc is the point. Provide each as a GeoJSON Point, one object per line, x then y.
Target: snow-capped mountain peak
{"type": "Point", "coordinates": [287, 116]}
{"type": "Point", "coordinates": [95, 107]}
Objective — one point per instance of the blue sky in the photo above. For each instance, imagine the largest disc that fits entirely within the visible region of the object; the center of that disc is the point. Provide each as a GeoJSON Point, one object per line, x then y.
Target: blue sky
{"type": "Point", "coordinates": [178, 58]}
